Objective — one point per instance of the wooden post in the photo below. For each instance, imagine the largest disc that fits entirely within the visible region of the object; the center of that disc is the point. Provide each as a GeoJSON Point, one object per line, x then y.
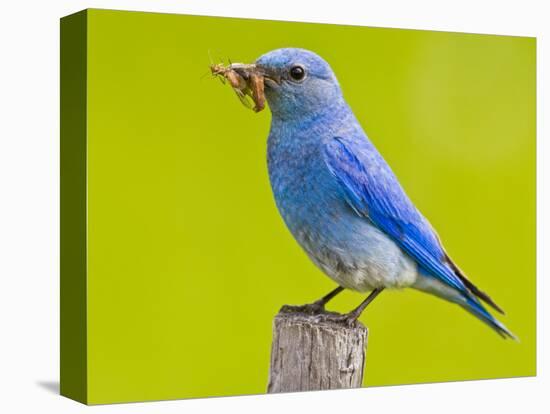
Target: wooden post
{"type": "Point", "coordinates": [315, 352]}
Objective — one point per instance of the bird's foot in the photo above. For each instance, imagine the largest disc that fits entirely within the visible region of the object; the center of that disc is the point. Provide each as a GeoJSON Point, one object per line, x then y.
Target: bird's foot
{"type": "Point", "coordinates": [314, 308]}
{"type": "Point", "coordinates": [348, 319]}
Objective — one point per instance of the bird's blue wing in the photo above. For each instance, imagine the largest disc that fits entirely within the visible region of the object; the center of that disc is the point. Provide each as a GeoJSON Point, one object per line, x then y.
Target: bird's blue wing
{"type": "Point", "coordinates": [372, 190]}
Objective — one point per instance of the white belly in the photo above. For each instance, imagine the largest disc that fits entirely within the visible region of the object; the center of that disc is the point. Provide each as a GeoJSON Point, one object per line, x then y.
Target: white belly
{"type": "Point", "coordinates": [368, 261]}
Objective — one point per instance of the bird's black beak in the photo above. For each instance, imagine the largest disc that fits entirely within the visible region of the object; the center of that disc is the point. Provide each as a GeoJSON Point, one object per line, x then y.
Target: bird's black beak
{"type": "Point", "coordinates": [246, 71]}
{"type": "Point", "coordinates": [272, 78]}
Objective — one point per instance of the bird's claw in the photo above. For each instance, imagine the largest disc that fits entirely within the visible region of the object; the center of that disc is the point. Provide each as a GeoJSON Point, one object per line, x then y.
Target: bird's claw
{"type": "Point", "coordinates": [318, 308]}
{"type": "Point", "coordinates": [314, 308]}
{"type": "Point", "coordinates": [348, 319]}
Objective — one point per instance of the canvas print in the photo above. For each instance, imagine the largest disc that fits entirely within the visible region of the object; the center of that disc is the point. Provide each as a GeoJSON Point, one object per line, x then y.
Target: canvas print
{"type": "Point", "coordinates": [258, 206]}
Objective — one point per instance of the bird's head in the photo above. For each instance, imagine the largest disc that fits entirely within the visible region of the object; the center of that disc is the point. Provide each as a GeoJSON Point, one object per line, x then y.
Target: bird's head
{"type": "Point", "coordinates": [297, 82]}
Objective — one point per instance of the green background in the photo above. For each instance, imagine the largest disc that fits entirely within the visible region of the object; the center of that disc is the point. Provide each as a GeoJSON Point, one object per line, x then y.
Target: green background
{"type": "Point", "coordinates": [188, 259]}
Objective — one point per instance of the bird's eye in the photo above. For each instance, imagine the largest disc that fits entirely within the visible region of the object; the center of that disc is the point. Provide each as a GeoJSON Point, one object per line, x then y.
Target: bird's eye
{"type": "Point", "coordinates": [297, 73]}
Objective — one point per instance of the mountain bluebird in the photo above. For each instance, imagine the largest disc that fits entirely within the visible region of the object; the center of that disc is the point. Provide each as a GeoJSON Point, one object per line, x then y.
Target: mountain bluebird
{"type": "Point", "coordinates": [340, 199]}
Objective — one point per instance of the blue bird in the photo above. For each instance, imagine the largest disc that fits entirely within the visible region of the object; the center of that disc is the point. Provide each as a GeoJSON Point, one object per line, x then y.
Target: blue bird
{"type": "Point", "coordinates": [340, 199]}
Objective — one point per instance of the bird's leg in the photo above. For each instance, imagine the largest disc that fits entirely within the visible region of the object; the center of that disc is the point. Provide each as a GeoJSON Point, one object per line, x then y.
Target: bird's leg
{"type": "Point", "coordinates": [352, 316]}
{"type": "Point", "coordinates": [317, 306]}
{"type": "Point", "coordinates": [320, 304]}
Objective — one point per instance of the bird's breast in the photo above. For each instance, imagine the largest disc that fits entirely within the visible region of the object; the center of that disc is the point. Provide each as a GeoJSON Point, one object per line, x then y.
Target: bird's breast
{"type": "Point", "coordinates": [303, 189]}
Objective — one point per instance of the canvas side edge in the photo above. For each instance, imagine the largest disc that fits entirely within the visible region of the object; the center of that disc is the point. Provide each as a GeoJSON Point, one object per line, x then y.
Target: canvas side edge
{"type": "Point", "coordinates": [73, 206]}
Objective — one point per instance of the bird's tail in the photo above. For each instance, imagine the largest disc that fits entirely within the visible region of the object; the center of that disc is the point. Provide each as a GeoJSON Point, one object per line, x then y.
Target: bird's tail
{"type": "Point", "coordinates": [476, 308]}
{"type": "Point", "coordinates": [466, 300]}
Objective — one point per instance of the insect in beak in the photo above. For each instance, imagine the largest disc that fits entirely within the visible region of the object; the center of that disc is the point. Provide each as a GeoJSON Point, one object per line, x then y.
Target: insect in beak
{"type": "Point", "coordinates": [246, 80]}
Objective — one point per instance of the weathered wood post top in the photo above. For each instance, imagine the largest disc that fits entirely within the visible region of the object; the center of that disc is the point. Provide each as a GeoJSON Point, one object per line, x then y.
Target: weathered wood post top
{"type": "Point", "coordinates": [315, 352]}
